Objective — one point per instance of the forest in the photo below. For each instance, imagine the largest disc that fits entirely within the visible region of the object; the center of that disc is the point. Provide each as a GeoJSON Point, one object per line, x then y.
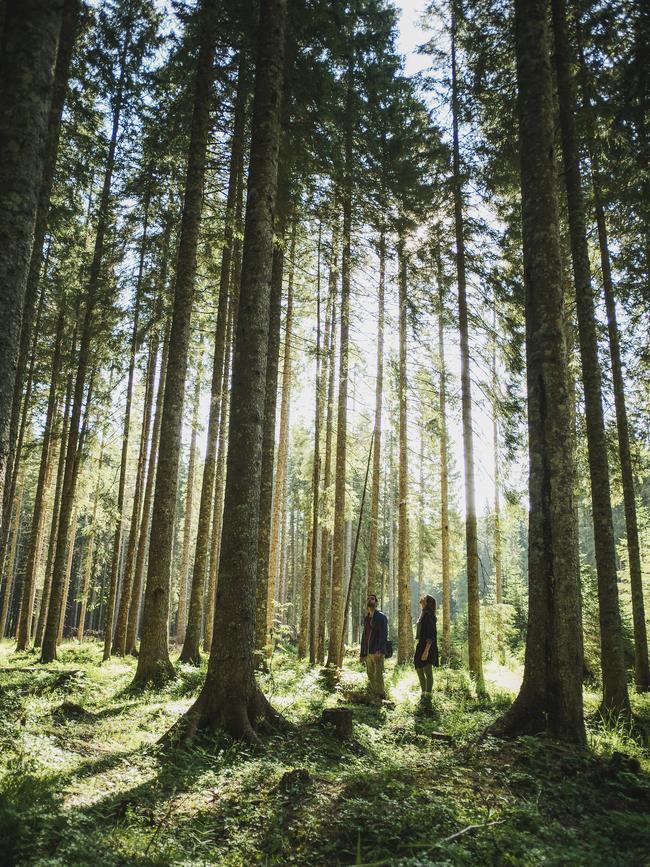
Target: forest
{"type": "Point", "coordinates": [324, 432]}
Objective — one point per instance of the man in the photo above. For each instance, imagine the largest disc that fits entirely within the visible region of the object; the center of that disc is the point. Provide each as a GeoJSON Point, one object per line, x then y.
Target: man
{"type": "Point", "coordinates": [373, 646]}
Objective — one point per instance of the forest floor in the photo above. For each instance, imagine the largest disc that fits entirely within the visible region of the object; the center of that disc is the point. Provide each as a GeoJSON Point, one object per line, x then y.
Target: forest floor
{"type": "Point", "coordinates": [82, 780]}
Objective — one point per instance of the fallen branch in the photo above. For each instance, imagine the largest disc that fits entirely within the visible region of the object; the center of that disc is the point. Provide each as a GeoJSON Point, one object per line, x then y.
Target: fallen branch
{"type": "Point", "coordinates": [467, 830]}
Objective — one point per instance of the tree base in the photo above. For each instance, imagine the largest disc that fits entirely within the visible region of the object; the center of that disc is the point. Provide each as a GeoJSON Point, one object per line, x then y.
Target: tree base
{"type": "Point", "coordinates": [156, 676]}
{"type": "Point", "coordinates": [240, 719]}
{"type": "Point", "coordinates": [190, 657]}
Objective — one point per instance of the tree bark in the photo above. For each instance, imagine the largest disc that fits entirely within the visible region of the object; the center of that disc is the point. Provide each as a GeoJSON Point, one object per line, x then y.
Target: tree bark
{"type": "Point", "coordinates": [335, 650]}
{"type": "Point", "coordinates": [641, 664]}
{"type": "Point", "coordinates": [89, 566]}
{"type": "Point", "coordinates": [325, 569]}
{"type": "Point", "coordinates": [33, 549]}
{"type": "Point", "coordinates": [56, 508]}
{"type": "Point", "coordinates": [376, 455]}
{"type": "Point", "coordinates": [27, 65]}
{"type": "Point", "coordinates": [154, 665]}
{"type": "Point", "coordinates": [11, 559]}
{"type": "Point", "coordinates": [230, 697]}
{"type": "Point", "coordinates": [264, 592]}
{"type": "Point", "coordinates": [498, 583]}
{"type": "Point", "coordinates": [551, 693]}
{"type": "Point", "coordinates": [119, 521]}
{"type": "Point", "coordinates": [471, 541]}
{"type": "Point", "coordinates": [122, 618]}
{"type": "Point", "coordinates": [48, 652]}
{"type": "Point", "coordinates": [612, 659]}
{"type": "Point", "coordinates": [405, 622]}
{"type": "Point", "coordinates": [147, 504]}
{"type": "Point", "coordinates": [444, 475]}
{"type": "Point", "coordinates": [190, 652]}
{"type": "Point", "coordinates": [67, 36]}
{"type": "Point", "coordinates": [181, 617]}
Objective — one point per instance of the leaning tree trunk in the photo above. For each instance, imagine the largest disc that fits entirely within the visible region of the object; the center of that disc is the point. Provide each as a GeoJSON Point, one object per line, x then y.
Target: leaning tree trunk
{"type": "Point", "coordinates": [471, 539]}
{"type": "Point", "coordinates": [69, 23]}
{"type": "Point", "coordinates": [641, 664]}
{"type": "Point", "coordinates": [335, 649]}
{"type": "Point", "coordinates": [551, 693]}
{"type": "Point", "coordinates": [30, 39]}
{"type": "Point", "coordinates": [376, 455]}
{"type": "Point", "coordinates": [154, 665]}
{"type": "Point", "coordinates": [190, 652]}
{"type": "Point", "coordinates": [230, 697]}
{"type": "Point", "coordinates": [119, 506]}
{"type": "Point", "coordinates": [405, 622]}
{"type": "Point", "coordinates": [48, 652]}
{"type": "Point", "coordinates": [612, 659]}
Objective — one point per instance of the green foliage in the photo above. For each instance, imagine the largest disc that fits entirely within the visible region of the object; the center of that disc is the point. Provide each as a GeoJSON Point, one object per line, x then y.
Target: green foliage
{"type": "Point", "coordinates": [82, 780]}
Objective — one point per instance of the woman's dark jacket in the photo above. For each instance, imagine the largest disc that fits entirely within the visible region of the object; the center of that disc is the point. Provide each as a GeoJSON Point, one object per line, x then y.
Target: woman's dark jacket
{"type": "Point", "coordinates": [378, 634]}
{"type": "Point", "coordinates": [426, 631]}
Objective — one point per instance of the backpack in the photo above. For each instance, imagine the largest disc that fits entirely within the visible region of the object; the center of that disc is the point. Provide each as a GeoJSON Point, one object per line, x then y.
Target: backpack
{"type": "Point", "coordinates": [389, 649]}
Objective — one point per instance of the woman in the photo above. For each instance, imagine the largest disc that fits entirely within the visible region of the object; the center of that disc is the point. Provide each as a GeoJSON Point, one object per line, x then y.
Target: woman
{"type": "Point", "coordinates": [426, 650]}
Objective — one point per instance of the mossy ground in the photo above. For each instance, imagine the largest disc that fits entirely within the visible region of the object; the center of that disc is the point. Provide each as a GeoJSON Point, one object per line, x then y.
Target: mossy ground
{"type": "Point", "coordinates": [82, 780]}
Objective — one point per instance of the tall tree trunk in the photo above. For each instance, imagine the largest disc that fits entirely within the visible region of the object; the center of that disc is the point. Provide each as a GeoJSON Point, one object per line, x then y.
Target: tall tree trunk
{"type": "Point", "coordinates": [122, 618]}
{"type": "Point", "coordinates": [154, 665]}
{"type": "Point", "coordinates": [421, 514]}
{"type": "Point", "coordinates": [190, 652]}
{"type": "Point", "coordinates": [30, 40]}
{"type": "Point", "coordinates": [281, 468]}
{"type": "Point", "coordinates": [147, 504]}
{"type": "Point", "coordinates": [230, 697]}
{"type": "Point", "coordinates": [68, 572]}
{"type": "Point", "coordinates": [315, 482]}
{"type": "Point", "coordinates": [56, 509]}
{"type": "Point", "coordinates": [325, 566]}
{"type": "Point", "coordinates": [270, 405]}
{"type": "Point", "coordinates": [67, 36]}
{"type": "Point", "coordinates": [471, 540]}
{"type": "Point", "coordinates": [305, 594]}
{"type": "Point", "coordinates": [376, 455]}
{"type": "Point", "coordinates": [498, 583]}
{"type": "Point", "coordinates": [89, 565]}
{"type": "Point", "coordinates": [181, 618]}
{"type": "Point", "coordinates": [641, 664]}
{"type": "Point", "coordinates": [219, 486]}
{"type": "Point", "coordinates": [612, 659]}
{"type": "Point", "coordinates": [126, 429]}
{"type": "Point", "coordinates": [13, 548]}
{"type": "Point", "coordinates": [33, 548]}
{"type": "Point", "coordinates": [444, 471]}
{"type": "Point", "coordinates": [551, 693]}
{"type": "Point", "coordinates": [335, 650]}
{"type": "Point", "coordinates": [48, 652]}
{"type": "Point", "coordinates": [405, 623]}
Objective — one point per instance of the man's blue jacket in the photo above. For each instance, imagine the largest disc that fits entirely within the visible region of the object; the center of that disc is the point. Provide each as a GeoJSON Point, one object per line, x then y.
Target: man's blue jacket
{"type": "Point", "coordinates": [378, 634]}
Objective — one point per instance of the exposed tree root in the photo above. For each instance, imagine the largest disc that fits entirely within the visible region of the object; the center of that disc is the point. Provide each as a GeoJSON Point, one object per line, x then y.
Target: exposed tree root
{"type": "Point", "coordinates": [243, 721]}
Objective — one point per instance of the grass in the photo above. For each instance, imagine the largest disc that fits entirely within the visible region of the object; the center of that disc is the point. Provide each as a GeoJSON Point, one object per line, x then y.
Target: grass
{"type": "Point", "coordinates": [82, 780]}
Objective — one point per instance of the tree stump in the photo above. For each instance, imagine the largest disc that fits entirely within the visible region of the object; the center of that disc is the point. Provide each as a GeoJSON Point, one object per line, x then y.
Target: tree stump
{"type": "Point", "coordinates": [340, 719]}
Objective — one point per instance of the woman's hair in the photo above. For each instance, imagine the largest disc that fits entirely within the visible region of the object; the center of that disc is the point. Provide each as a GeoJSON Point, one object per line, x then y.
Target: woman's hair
{"type": "Point", "coordinates": [429, 604]}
